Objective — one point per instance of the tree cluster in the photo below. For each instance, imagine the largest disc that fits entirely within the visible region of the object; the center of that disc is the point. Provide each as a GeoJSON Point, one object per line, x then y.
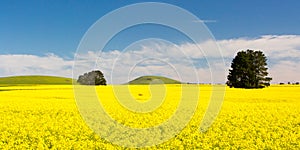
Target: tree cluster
{"type": "Point", "coordinates": [95, 77]}
{"type": "Point", "coordinates": [248, 70]}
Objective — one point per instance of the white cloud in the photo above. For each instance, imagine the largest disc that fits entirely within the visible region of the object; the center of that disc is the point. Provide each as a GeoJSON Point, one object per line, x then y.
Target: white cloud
{"type": "Point", "coordinates": [206, 21]}
{"type": "Point", "coordinates": [186, 61]}
{"type": "Point", "coordinates": [275, 47]}
{"type": "Point", "coordinates": [286, 71]}
{"type": "Point", "coordinates": [38, 65]}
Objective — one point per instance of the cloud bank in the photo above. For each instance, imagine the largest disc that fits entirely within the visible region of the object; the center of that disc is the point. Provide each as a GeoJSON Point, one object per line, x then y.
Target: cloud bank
{"type": "Point", "coordinates": [186, 62]}
{"type": "Point", "coordinates": [21, 64]}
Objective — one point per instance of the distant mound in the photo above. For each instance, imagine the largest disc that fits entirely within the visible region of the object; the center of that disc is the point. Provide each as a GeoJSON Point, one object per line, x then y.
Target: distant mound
{"type": "Point", "coordinates": [153, 80]}
{"type": "Point", "coordinates": [35, 80]}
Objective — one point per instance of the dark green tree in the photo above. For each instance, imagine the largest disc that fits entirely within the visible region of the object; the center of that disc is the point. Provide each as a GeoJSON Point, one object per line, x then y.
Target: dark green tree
{"type": "Point", "coordinates": [248, 70]}
{"type": "Point", "coordinates": [95, 77]}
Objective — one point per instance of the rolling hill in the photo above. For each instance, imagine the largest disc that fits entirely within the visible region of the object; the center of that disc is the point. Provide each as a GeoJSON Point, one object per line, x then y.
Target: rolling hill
{"type": "Point", "coordinates": [153, 80]}
{"type": "Point", "coordinates": [15, 80]}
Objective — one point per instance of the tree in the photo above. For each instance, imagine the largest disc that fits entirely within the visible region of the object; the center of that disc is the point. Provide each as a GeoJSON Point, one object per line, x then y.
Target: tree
{"type": "Point", "coordinates": [92, 78]}
{"type": "Point", "coordinates": [248, 70]}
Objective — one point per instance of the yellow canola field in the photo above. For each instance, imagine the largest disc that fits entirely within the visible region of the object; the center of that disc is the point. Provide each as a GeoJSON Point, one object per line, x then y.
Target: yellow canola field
{"type": "Point", "coordinates": [47, 117]}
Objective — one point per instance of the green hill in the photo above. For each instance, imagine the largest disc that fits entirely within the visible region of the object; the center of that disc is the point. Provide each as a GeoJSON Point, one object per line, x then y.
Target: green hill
{"type": "Point", "coordinates": [153, 80]}
{"type": "Point", "coordinates": [13, 80]}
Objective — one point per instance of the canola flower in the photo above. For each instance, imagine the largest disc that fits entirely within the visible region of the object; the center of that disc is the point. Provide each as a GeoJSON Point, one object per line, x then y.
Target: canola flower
{"type": "Point", "coordinates": [46, 117]}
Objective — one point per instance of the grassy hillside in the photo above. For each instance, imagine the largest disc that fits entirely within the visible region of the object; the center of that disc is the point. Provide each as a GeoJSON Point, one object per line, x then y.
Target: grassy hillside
{"type": "Point", "coordinates": [153, 80]}
{"type": "Point", "coordinates": [35, 80]}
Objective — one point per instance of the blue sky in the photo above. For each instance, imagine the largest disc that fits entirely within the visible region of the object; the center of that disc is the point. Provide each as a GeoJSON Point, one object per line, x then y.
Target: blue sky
{"type": "Point", "coordinates": [38, 27]}
{"type": "Point", "coordinates": [54, 28]}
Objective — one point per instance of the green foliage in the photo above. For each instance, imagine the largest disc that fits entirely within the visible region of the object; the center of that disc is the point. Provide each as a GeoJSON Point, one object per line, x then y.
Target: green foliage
{"type": "Point", "coordinates": [95, 77]}
{"type": "Point", "coordinates": [249, 70]}
{"type": "Point", "coordinates": [144, 80]}
{"type": "Point", "coordinates": [45, 80]}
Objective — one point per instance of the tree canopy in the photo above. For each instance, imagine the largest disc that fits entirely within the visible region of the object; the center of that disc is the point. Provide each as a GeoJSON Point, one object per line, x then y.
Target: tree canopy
{"type": "Point", "coordinates": [95, 77]}
{"type": "Point", "coordinates": [249, 70]}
